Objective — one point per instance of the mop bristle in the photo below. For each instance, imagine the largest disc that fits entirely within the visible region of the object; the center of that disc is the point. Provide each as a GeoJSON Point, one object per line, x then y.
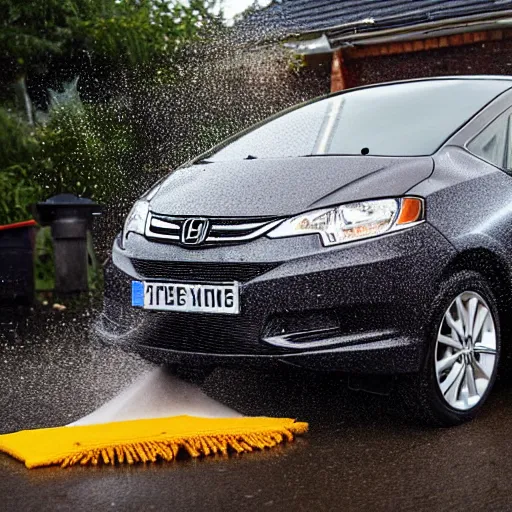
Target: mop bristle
{"type": "Point", "coordinates": [147, 440]}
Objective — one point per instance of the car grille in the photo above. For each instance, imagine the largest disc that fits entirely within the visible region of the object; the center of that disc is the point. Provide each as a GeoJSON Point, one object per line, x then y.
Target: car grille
{"type": "Point", "coordinates": [220, 231]}
{"type": "Point", "coordinates": [206, 333]}
{"type": "Point", "coordinates": [200, 272]}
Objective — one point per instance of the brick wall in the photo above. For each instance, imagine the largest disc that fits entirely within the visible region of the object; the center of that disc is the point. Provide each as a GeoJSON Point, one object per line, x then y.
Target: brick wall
{"type": "Point", "coordinates": [492, 57]}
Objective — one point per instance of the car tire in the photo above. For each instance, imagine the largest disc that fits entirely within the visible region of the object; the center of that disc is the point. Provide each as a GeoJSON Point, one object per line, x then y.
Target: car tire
{"type": "Point", "coordinates": [451, 390]}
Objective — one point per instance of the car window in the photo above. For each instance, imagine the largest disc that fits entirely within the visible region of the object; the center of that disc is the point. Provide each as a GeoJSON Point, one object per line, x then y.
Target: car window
{"type": "Point", "coordinates": [407, 119]}
{"type": "Point", "coordinates": [490, 144]}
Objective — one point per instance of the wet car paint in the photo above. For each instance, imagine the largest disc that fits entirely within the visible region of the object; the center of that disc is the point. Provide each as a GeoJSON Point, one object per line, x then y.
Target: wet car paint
{"type": "Point", "coordinates": [287, 186]}
{"type": "Point", "coordinates": [380, 289]}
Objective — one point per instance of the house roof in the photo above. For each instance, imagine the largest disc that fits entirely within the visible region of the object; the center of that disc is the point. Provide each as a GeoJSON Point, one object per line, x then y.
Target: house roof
{"type": "Point", "coordinates": [344, 20]}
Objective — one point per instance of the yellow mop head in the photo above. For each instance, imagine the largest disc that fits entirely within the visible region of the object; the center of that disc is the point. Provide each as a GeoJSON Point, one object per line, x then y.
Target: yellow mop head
{"type": "Point", "coordinates": [146, 440]}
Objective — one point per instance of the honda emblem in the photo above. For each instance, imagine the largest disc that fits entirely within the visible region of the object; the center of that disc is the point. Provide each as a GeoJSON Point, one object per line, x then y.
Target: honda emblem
{"type": "Point", "coordinates": [194, 231]}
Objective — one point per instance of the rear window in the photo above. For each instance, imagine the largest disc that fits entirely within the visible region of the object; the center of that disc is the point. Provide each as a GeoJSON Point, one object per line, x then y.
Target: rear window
{"type": "Point", "coordinates": [408, 119]}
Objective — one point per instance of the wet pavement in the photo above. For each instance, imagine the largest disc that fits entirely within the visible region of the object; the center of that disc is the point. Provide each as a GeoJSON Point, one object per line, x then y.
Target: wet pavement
{"type": "Point", "coordinates": [359, 454]}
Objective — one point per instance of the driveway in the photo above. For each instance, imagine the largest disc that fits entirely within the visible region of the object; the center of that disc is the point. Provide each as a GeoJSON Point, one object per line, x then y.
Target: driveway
{"type": "Point", "coordinates": [360, 453]}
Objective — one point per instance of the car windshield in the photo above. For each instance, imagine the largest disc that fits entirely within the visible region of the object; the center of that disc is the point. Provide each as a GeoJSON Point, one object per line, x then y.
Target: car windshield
{"type": "Point", "coordinates": [407, 119]}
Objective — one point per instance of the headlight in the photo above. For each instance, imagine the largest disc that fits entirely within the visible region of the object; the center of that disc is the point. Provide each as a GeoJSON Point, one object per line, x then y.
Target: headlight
{"type": "Point", "coordinates": [341, 224]}
{"type": "Point", "coordinates": [136, 220]}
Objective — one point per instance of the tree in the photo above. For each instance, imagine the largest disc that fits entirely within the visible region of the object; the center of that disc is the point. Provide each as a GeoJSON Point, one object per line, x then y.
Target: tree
{"type": "Point", "coordinates": [36, 35]}
{"type": "Point", "coordinates": [47, 43]}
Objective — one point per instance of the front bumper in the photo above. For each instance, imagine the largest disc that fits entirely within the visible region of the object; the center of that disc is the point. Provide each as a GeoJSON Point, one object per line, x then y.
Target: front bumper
{"type": "Point", "coordinates": [361, 307]}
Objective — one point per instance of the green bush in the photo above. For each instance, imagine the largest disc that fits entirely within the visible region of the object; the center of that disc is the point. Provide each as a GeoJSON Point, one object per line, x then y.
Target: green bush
{"type": "Point", "coordinates": [19, 153]}
{"type": "Point", "coordinates": [86, 150]}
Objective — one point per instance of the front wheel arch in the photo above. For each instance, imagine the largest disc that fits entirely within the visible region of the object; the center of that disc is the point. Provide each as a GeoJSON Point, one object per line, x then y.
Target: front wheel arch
{"type": "Point", "coordinates": [495, 271]}
{"type": "Point", "coordinates": [420, 392]}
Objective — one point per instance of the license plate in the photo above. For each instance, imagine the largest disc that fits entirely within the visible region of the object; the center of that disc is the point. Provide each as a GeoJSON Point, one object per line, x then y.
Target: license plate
{"type": "Point", "coordinates": [199, 298]}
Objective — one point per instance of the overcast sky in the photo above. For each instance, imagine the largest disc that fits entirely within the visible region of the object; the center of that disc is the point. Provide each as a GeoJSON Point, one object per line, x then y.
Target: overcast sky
{"type": "Point", "coordinates": [233, 7]}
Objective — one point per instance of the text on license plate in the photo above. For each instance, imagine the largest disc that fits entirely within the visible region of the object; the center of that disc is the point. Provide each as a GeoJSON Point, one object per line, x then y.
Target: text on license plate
{"type": "Point", "coordinates": [203, 298]}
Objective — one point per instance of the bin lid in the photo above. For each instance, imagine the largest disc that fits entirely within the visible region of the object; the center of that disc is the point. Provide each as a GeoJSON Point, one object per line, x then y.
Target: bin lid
{"type": "Point", "coordinates": [68, 199]}
{"type": "Point", "coordinates": [65, 206]}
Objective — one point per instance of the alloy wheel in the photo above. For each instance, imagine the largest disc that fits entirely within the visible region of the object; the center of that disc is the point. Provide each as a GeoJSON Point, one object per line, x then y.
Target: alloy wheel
{"type": "Point", "coordinates": [465, 353]}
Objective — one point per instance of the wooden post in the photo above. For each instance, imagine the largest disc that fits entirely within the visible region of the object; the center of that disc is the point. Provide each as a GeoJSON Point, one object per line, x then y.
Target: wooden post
{"type": "Point", "coordinates": [338, 72]}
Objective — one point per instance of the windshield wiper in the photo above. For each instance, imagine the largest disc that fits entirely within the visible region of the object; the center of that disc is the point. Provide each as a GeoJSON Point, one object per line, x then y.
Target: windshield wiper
{"type": "Point", "coordinates": [204, 161]}
{"type": "Point", "coordinates": [329, 154]}
{"type": "Point", "coordinates": [250, 157]}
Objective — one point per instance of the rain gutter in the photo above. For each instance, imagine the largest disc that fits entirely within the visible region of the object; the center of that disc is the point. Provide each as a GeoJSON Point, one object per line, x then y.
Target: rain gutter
{"type": "Point", "coordinates": [329, 41]}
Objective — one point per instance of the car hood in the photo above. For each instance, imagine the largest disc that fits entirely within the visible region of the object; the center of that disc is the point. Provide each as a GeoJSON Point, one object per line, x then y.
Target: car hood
{"type": "Point", "coordinates": [281, 187]}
